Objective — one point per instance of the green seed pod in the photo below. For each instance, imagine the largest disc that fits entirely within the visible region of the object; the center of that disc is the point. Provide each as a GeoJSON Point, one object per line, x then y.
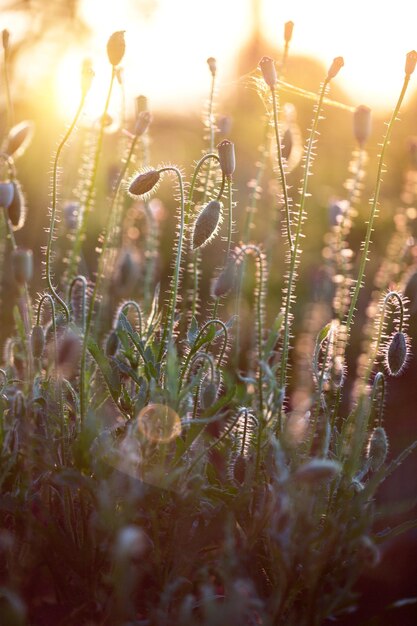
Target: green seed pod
{"type": "Point", "coordinates": [206, 224]}
{"type": "Point", "coordinates": [116, 47]}
{"type": "Point", "coordinates": [227, 157]}
{"type": "Point", "coordinates": [6, 194]}
{"type": "Point", "coordinates": [397, 353]}
{"type": "Point", "coordinates": [225, 280]}
{"type": "Point", "coordinates": [112, 343]}
{"type": "Point", "coordinates": [144, 183]}
{"type": "Point", "coordinates": [17, 208]}
{"type": "Point", "coordinates": [377, 448]}
{"type": "Point", "coordinates": [317, 471]}
{"type": "Point", "coordinates": [19, 138]}
{"type": "Point", "coordinates": [37, 341]}
{"type": "Point", "coordinates": [22, 264]}
{"type": "Point", "coordinates": [269, 73]}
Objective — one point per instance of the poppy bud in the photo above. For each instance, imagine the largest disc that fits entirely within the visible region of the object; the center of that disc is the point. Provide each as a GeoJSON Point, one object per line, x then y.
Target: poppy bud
{"type": "Point", "coordinates": [227, 157]}
{"type": "Point", "coordinates": [206, 224]}
{"type": "Point", "coordinates": [37, 340]}
{"type": "Point", "coordinates": [397, 353]}
{"type": "Point", "coordinates": [22, 263]}
{"type": "Point", "coordinates": [410, 62]}
{"type": "Point", "coordinates": [362, 124]}
{"type": "Point", "coordinates": [335, 67]}
{"type": "Point", "coordinates": [112, 344]}
{"type": "Point", "coordinates": [317, 471]}
{"type": "Point", "coordinates": [288, 30]}
{"type": "Point", "coordinates": [211, 62]}
{"type": "Point", "coordinates": [144, 183]}
{"type": "Point", "coordinates": [141, 103]}
{"type": "Point", "coordinates": [142, 123]}
{"type": "Point", "coordinates": [116, 47]}
{"type": "Point", "coordinates": [269, 73]}
{"type": "Point", "coordinates": [6, 194]}
{"type": "Point", "coordinates": [377, 448]}
{"type": "Point", "coordinates": [225, 280]}
{"type": "Point", "coordinates": [17, 208]}
{"type": "Point", "coordinates": [5, 35]}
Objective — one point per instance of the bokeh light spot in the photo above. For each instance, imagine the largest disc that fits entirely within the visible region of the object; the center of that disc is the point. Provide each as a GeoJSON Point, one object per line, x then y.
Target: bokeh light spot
{"type": "Point", "coordinates": [159, 423]}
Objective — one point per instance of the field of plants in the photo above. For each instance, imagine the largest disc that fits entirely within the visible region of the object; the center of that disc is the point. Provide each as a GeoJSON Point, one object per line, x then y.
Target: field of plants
{"type": "Point", "coordinates": [198, 395]}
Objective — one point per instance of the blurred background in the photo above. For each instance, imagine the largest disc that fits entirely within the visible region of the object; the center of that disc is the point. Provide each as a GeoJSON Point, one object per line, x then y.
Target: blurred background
{"type": "Point", "coordinates": [168, 42]}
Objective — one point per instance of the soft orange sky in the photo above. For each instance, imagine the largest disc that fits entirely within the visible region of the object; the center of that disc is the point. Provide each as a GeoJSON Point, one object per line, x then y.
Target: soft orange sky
{"type": "Point", "coordinates": [166, 51]}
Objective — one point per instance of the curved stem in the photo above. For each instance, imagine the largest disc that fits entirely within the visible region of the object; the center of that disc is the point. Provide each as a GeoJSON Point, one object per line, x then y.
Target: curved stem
{"type": "Point", "coordinates": [135, 305]}
{"type": "Point", "coordinates": [197, 339]}
{"type": "Point", "coordinates": [91, 304]}
{"type": "Point", "coordinates": [80, 279]}
{"type": "Point", "coordinates": [175, 279]}
{"type": "Point", "coordinates": [53, 208]}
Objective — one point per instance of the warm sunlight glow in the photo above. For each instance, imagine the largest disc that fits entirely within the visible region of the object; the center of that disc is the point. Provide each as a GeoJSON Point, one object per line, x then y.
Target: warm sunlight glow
{"type": "Point", "coordinates": [167, 47]}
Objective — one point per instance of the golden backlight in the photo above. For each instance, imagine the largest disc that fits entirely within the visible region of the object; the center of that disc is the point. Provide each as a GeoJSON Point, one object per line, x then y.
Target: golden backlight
{"type": "Point", "coordinates": [167, 49]}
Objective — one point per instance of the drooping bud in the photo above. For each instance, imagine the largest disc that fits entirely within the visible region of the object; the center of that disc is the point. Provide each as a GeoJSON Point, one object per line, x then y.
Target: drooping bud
{"type": "Point", "coordinates": [112, 343]}
{"type": "Point", "coordinates": [206, 224]}
{"type": "Point", "coordinates": [362, 124]}
{"type": "Point", "coordinates": [37, 341]}
{"type": "Point", "coordinates": [211, 62]}
{"type": "Point", "coordinates": [225, 280]}
{"type": "Point", "coordinates": [17, 208]}
{"type": "Point", "coordinates": [87, 75]}
{"type": "Point", "coordinates": [269, 73]}
{"type": "Point", "coordinates": [410, 62]}
{"type": "Point", "coordinates": [22, 264]}
{"type": "Point", "coordinates": [317, 471]}
{"type": "Point", "coordinates": [288, 30]}
{"type": "Point", "coordinates": [397, 353]}
{"type": "Point", "coordinates": [19, 138]}
{"type": "Point", "coordinates": [6, 195]}
{"type": "Point", "coordinates": [144, 183]}
{"type": "Point", "coordinates": [142, 123]}
{"type": "Point", "coordinates": [116, 47]}
{"type": "Point", "coordinates": [335, 67]}
{"type": "Point", "coordinates": [69, 352]}
{"type": "Point", "coordinates": [208, 394]}
{"type": "Point", "coordinates": [227, 157]}
{"type": "Point", "coordinates": [377, 448]}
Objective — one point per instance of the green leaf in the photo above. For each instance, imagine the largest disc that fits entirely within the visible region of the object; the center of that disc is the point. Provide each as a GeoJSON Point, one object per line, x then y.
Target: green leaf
{"type": "Point", "coordinates": [110, 374]}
